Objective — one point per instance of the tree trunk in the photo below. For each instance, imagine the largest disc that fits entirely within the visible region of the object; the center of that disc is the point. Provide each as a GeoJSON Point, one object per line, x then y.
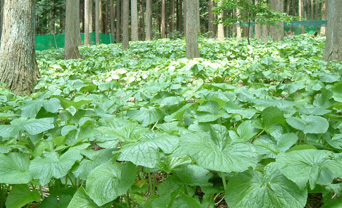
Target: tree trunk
{"type": "Point", "coordinates": [191, 30]}
{"type": "Point", "coordinates": [97, 21]}
{"type": "Point", "coordinates": [172, 13]}
{"type": "Point", "coordinates": [134, 21]}
{"type": "Point", "coordinates": [112, 18]}
{"type": "Point", "coordinates": [258, 25]}
{"type": "Point", "coordinates": [277, 31]}
{"type": "Point", "coordinates": [333, 47]}
{"type": "Point", "coordinates": [125, 25]}
{"type": "Point", "coordinates": [162, 25]}
{"type": "Point", "coordinates": [220, 27]}
{"type": "Point", "coordinates": [142, 20]}
{"type": "Point", "coordinates": [118, 20]}
{"type": "Point", "coordinates": [324, 17]}
{"type": "Point", "coordinates": [264, 33]}
{"type": "Point", "coordinates": [1, 15]}
{"type": "Point", "coordinates": [100, 17]}
{"type": "Point", "coordinates": [148, 20]}
{"type": "Point", "coordinates": [211, 19]}
{"type": "Point", "coordinates": [238, 26]}
{"type": "Point", "coordinates": [184, 11]}
{"type": "Point", "coordinates": [71, 31]}
{"type": "Point", "coordinates": [301, 13]}
{"type": "Point", "coordinates": [91, 22]}
{"type": "Point", "coordinates": [77, 28]}
{"type": "Point", "coordinates": [18, 65]}
{"type": "Point", "coordinates": [198, 16]}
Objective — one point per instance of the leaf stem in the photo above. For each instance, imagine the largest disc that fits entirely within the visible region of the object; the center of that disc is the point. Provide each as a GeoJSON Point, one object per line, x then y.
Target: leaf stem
{"type": "Point", "coordinates": [262, 131]}
{"type": "Point", "coordinates": [224, 181]}
{"type": "Point", "coordinates": [150, 181]}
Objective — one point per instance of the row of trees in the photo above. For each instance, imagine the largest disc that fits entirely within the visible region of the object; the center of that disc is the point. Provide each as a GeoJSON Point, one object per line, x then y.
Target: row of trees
{"type": "Point", "coordinates": [18, 68]}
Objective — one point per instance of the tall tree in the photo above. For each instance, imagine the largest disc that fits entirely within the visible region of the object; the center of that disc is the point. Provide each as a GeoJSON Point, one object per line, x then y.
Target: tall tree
{"type": "Point", "coordinates": [324, 17]}
{"type": "Point", "coordinates": [125, 25]}
{"type": "Point", "coordinates": [333, 44]}
{"type": "Point", "coordinates": [87, 14]}
{"type": "Point", "coordinates": [191, 30]}
{"type": "Point", "coordinates": [72, 31]}
{"type": "Point", "coordinates": [112, 19]}
{"type": "Point", "coordinates": [238, 26]}
{"type": "Point", "coordinates": [258, 26]}
{"type": "Point", "coordinates": [18, 65]}
{"type": "Point", "coordinates": [1, 15]}
{"type": "Point", "coordinates": [264, 33]}
{"type": "Point", "coordinates": [134, 20]}
{"type": "Point", "coordinates": [220, 26]}
{"type": "Point", "coordinates": [97, 21]}
{"type": "Point", "coordinates": [118, 20]}
{"type": "Point", "coordinates": [211, 19]}
{"type": "Point", "coordinates": [301, 12]}
{"type": "Point", "coordinates": [148, 20]}
{"type": "Point", "coordinates": [277, 31]}
{"type": "Point", "coordinates": [100, 17]}
{"type": "Point", "coordinates": [172, 13]}
{"type": "Point", "coordinates": [162, 25]}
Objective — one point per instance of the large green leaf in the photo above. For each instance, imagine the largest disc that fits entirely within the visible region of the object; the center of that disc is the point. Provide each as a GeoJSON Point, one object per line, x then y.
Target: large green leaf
{"type": "Point", "coordinates": [272, 189]}
{"type": "Point", "coordinates": [81, 199]}
{"type": "Point", "coordinates": [244, 132]}
{"type": "Point", "coordinates": [145, 152]}
{"type": "Point", "coordinates": [309, 124]}
{"type": "Point", "coordinates": [53, 165]}
{"type": "Point", "coordinates": [21, 195]}
{"type": "Point", "coordinates": [192, 175]}
{"type": "Point", "coordinates": [208, 154]}
{"type": "Point", "coordinates": [311, 166]}
{"type": "Point", "coordinates": [185, 201]}
{"type": "Point", "coordinates": [146, 116]}
{"type": "Point", "coordinates": [271, 116]}
{"type": "Point", "coordinates": [14, 168]}
{"type": "Point", "coordinates": [108, 181]}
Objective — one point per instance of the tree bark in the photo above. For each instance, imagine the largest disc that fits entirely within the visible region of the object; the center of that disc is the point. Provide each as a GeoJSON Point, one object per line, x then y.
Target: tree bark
{"type": "Point", "coordinates": [100, 17]}
{"type": "Point", "coordinates": [211, 19]}
{"type": "Point", "coordinates": [134, 20]}
{"type": "Point", "coordinates": [277, 31]}
{"type": "Point", "coordinates": [125, 25]}
{"type": "Point", "coordinates": [1, 15]}
{"type": "Point", "coordinates": [324, 17]}
{"type": "Point", "coordinates": [91, 19]}
{"type": "Point", "coordinates": [238, 26]}
{"type": "Point", "coordinates": [118, 20]}
{"type": "Point", "coordinates": [97, 21]}
{"type": "Point", "coordinates": [264, 33]}
{"type": "Point", "coordinates": [333, 46]}
{"type": "Point", "coordinates": [112, 18]}
{"type": "Point", "coordinates": [71, 31]}
{"type": "Point", "coordinates": [185, 16]}
{"type": "Point", "coordinates": [220, 27]}
{"type": "Point", "coordinates": [142, 20]}
{"type": "Point", "coordinates": [172, 14]}
{"type": "Point", "coordinates": [258, 26]}
{"type": "Point", "coordinates": [77, 28]}
{"type": "Point", "coordinates": [18, 65]}
{"type": "Point", "coordinates": [162, 25]}
{"type": "Point", "coordinates": [148, 20]}
{"type": "Point", "coordinates": [191, 30]}
{"type": "Point", "coordinates": [198, 16]}
{"type": "Point", "coordinates": [301, 13]}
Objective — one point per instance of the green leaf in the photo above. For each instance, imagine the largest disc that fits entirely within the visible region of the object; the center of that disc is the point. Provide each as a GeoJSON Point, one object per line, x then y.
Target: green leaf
{"type": "Point", "coordinates": [65, 103]}
{"type": "Point", "coordinates": [60, 201]}
{"type": "Point", "coordinates": [335, 141]}
{"type": "Point", "coordinates": [146, 116]}
{"type": "Point", "coordinates": [21, 195]}
{"type": "Point", "coordinates": [309, 124]}
{"type": "Point", "coordinates": [31, 108]}
{"type": "Point", "coordinates": [234, 157]}
{"type": "Point", "coordinates": [52, 105]}
{"type": "Point", "coordinates": [53, 165]}
{"type": "Point", "coordinates": [185, 201]}
{"type": "Point", "coordinates": [286, 141]}
{"type": "Point", "coordinates": [145, 152]}
{"type": "Point", "coordinates": [271, 116]}
{"type": "Point", "coordinates": [14, 168]}
{"type": "Point", "coordinates": [209, 107]}
{"type": "Point", "coordinates": [306, 164]}
{"type": "Point", "coordinates": [192, 175]}
{"type": "Point", "coordinates": [245, 132]}
{"type": "Point", "coordinates": [81, 199]}
{"type": "Point", "coordinates": [4, 116]}
{"type": "Point", "coordinates": [109, 181]}
{"type": "Point", "coordinates": [253, 189]}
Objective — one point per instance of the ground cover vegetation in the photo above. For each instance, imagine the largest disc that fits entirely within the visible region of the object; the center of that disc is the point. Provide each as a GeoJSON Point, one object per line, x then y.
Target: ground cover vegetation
{"type": "Point", "coordinates": [254, 125]}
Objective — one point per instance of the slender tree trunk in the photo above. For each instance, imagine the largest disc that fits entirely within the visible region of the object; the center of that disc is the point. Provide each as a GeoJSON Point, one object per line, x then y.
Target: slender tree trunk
{"type": "Point", "coordinates": [100, 17]}
{"type": "Point", "coordinates": [134, 21]}
{"type": "Point", "coordinates": [180, 6]}
{"type": "Point", "coordinates": [71, 31]}
{"type": "Point", "coordinates": [198, 16]}
{"type": "Point", "coordinates": [220, 27]}
{"type": "Point", "coordinates": [264, 33]}
{"type": "Point", "coordinates": [97, 21]}
{"type": "Point", "coordinates": [1, 15]}
{"type": "Point", "coordinates": [185, 16]}
{"type": "Point", "coordinates": [301, 13]}
{"type": "Point", "coordinates": [112, 19]}
{"type": "Point", "coordinates": [148, 20]}
{"type": "Point", "coordinates": [211, 19]}
{"type": "Point", "coordinates": [238, 26]}
{"type": "Point", "coordinates": [105, 21]}
{"type": "Point", "coordinates": [142, 20]}
{"type": "Point", "coordinates": [162, 25]}
{"type": "Point", "coordinates": [77, 28]}
{"type": "Point", "coordinates": [91, 19]}
{"type": "Point", "coordinates": [172, 14]}
{"type": "Point", "coordinates": [258, 25]}
{"type": "Point", "coordinates": [333, 47]}
{"type": "Point", "coordinates": [191, 30]}
{"type": "Point", "coordinates": [118, 20]}
{"type": "Point", "coordinates": [18, 65]}
{"type": "Point", "coordinates": [125, 25]}
{"type": "Point", "coordinates": [324, 17]}
{"type": "Point", "coordinates": [277, 31]}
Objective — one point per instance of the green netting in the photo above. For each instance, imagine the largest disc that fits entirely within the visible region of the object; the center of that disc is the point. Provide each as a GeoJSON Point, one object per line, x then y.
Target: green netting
{"type": "Point", "coordinates": [44, 42]}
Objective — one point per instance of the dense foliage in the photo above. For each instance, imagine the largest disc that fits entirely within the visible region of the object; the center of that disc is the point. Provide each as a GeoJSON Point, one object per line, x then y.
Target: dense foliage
{"type": "Point", "coordinates": [251, 125]}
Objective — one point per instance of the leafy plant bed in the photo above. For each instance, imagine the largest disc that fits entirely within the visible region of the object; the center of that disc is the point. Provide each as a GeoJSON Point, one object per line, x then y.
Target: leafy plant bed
{"type": "Point", "coordinates": [245, 126]}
